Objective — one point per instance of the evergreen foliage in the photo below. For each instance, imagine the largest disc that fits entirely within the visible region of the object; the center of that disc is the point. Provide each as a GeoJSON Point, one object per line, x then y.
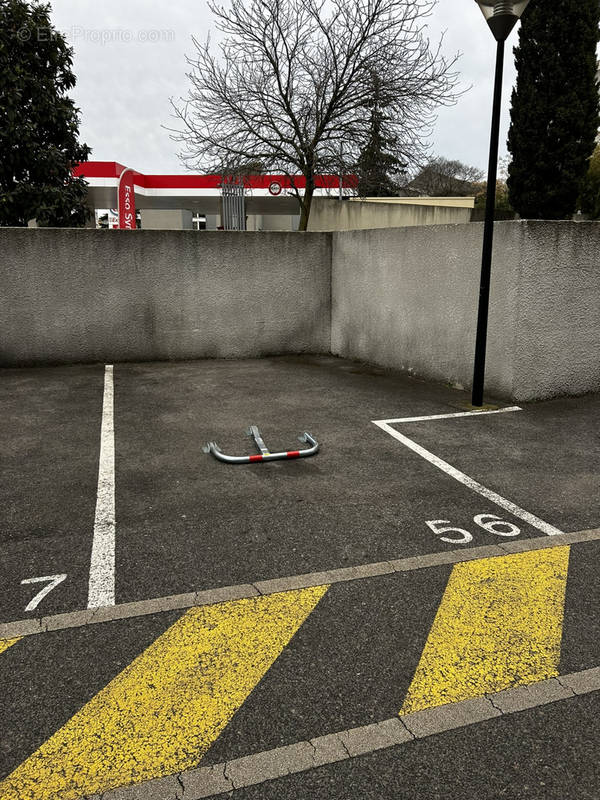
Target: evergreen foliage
{"type": "Point", "coordinates": [554, 114]}
{"type": "Point", "coordinates": [378, 167]}
{"type": "Point", "coordinates": [39, 124]}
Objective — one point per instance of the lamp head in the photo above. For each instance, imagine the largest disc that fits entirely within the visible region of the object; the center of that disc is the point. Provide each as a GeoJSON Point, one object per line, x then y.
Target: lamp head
{"type": "Point", "coordinates": [502, 15]}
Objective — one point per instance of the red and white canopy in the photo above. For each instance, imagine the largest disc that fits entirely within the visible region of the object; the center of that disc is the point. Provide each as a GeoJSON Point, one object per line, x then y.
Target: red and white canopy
{"type": "Point", "coordinates": [266, 194]}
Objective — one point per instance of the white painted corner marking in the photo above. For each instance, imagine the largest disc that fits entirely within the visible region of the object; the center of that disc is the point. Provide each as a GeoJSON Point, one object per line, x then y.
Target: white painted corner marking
{"type": "Point", "coordinates": [101, 589]}
{"type": "Point", "coordinates": [450, 416]}
{"type": "Point", "coordinates": [459, 476]}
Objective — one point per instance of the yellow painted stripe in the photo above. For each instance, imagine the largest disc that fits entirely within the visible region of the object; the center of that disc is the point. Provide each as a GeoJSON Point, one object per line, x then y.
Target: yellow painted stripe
{"type": "Point", "coordinates": [499, 625]}
{"type": "Point", "coordinates": [162, 713]}
{"type": "Point", "coordinates": [6, 643]}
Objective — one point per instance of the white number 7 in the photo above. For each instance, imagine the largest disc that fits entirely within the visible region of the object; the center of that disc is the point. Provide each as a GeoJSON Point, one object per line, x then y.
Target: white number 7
{"type": "Point", "coordinates": [54, 580]}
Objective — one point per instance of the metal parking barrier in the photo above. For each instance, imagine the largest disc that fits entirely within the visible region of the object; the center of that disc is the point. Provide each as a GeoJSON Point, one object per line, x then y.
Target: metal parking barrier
{"type": "Point", "coordinates": [214, 449]}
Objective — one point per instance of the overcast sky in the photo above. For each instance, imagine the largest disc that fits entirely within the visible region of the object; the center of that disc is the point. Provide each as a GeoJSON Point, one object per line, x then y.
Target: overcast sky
{"type": "Point", "coordinates": [130, 59]}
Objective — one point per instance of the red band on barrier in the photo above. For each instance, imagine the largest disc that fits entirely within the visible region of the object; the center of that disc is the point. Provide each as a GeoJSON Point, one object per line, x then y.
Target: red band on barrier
{"type": "Point", "coordinates": [256, 458]}
{"type": "Point", "coordinates": [293, 453]}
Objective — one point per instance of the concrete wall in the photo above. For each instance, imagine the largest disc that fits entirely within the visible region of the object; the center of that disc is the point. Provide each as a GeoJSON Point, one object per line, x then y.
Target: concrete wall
{"type": "Point", "coordinates": [403, 298]}
{"type": "Point", "coordinates": [558, 319]}
{"type": "Point", "coordinates": [407, 298]}
{"type": "Point", "coordinates": [94, 295]}
{"type": "Point", "coordinates": [166, 219]}
{"type": "Point", "coordinates": [329, 214]}
{"type": "Point", "coordinates": [451, 202]}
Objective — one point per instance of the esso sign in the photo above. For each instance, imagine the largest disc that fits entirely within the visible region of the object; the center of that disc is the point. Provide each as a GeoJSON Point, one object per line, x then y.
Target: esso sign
{"type": "Point", "coordinates": [126, 200]}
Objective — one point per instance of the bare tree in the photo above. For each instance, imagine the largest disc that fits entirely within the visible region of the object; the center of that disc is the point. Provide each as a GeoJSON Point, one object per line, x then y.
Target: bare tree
{"type": "Point", "coordinates": [441, 177]}
{"type": "Point", "coordinates": [290, 81]}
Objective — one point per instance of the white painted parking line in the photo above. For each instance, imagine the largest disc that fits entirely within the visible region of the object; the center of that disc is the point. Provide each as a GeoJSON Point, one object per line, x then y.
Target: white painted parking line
{"type": "Point", "coordinates": [101, 590]}
{"type": "Point", "coordinates": [452, 416]}
{"type": "Point", "coordinates": [459, 476]}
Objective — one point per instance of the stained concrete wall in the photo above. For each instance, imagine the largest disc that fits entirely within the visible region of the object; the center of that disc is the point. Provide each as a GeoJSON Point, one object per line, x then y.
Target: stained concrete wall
{"type": "Point", "coordinates": [558, 319]}
{"type": "Point", "coordinates": [94, 295]}
{"type": "Point", "coordinates": [403, 298]}
{"type": "Point", "coordinates": [407, 298]}
{"type": "Point", "coordinates": [329, 214]}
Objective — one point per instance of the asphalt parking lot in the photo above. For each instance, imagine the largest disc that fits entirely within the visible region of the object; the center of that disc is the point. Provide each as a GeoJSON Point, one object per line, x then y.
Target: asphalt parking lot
{"type": "Point", "coordinates": [405, 469]}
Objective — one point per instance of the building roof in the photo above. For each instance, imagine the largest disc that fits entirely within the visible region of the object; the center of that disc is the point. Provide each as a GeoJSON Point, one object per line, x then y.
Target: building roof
{"type": "Point", "coordinates": [111, 170]}
{"type": "Point", "coordinates": [198, 191]}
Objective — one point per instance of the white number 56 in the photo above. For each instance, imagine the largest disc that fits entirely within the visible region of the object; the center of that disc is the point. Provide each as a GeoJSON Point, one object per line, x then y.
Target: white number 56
{"type": "Point", "coordinates": [464, 536]}
{"type": "Point", "coordinates": [489, 522]}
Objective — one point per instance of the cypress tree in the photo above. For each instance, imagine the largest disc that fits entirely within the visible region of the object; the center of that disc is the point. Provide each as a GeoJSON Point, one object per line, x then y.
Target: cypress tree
{"type": "Point", "coordinates": [378, 166]}
{"type": "Point", "coordinates": [554, 111]}
{"type": "Point", "coordinates": [39, 123]}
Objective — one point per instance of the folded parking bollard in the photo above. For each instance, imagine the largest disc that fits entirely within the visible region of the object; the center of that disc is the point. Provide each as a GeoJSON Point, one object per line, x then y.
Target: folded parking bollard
{"type": "Point", "coordinates": [265, 455]}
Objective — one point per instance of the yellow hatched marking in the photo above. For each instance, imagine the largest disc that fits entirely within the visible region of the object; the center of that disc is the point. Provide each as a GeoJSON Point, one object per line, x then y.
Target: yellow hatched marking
{"type": "Point", "coordinates": [499, 625]}
{"type": "Point", "coordinates": [6, 643]}
{"type": "Point", "coordinates": [162, 713]}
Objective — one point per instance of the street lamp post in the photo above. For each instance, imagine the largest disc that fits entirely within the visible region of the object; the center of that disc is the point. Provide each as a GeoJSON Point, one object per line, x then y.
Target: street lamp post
{"type": "Point", "coordinates": [501, 16]}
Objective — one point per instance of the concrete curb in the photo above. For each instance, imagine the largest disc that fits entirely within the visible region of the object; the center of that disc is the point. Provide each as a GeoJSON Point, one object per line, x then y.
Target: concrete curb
{"type": "Point", "coordinates": [269, 765]}
{"type": "Point", "coordinates": [77, 619]}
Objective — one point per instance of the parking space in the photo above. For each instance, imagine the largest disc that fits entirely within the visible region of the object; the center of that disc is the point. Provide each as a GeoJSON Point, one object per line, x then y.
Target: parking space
{"type": "Point", "coordinates": [108, 499]}
{"type": "Point", "coordinates": [49, 441]}
{"type": "Point", "coordinates": [545, 457]}
{"type": "Point", "coordinates": [186, 522]}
